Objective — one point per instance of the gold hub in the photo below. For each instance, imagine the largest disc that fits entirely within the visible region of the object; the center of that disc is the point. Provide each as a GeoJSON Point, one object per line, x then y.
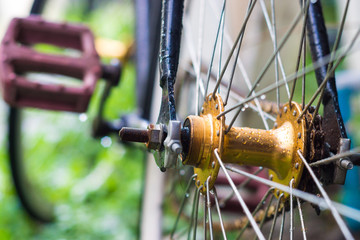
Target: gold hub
{"type": "Point", "coordinates": [206, 135]}
{"type": "Point", "coordinates": [274, 149]}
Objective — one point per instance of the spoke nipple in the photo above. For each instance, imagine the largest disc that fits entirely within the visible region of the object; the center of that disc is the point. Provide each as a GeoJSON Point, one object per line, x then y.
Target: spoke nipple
{"type": "Point", "coordinates": [271, 177]}
{"type": "Point", "coordinates": [296, 165]}
{"type": "Point", "coordinates": [210, 98]}
{"type": "Point", "coordinates": [294, 113]}
{"type": "Point", "coordinates": [217, 106]}
{"type": "Point", "coordinates": [198, 182]}
{"type": "Point", "coordinates": [202, 110]}
{"type": "Point", "coordinates": [285, 109]}
{"type": "Point", "coordinates": [218, 133]}
{"type": "Point", "coordinates": [277, 192]}
{"type": "Point", "coordinates": [213, 164]}
{"type": "Point", "coordinates": [299, 135]}
{"type": "Point", "coordinates": [275, 125]}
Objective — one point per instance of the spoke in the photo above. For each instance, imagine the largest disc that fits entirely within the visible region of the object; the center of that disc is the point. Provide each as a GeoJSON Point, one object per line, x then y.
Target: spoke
{"type": "Point", "coordinates": [275, 216]}
{"type": "Point", "coordinates": [221, 43]}
{"type": "Point", "coordinates": [191, 49]}
{"type": "Point", "coordinates": [194, 214]}
{"type": "Point", "coordinates": [275, 50]}
{"type": "Point", "coordinates": [291, 210]}
{"type": "Point", "coordinates": [219, 213]}
{"type": "Point", "coordinates": [333, 210]}
{"type": "Point", "coordinates": [270, 191]}
{"type": "Point", "coordinates": [214, 48]}
{"type": "Point", "coordinates": [266, 213]}
{"type": "Point", "coordinates": [329, 68]}
{"type": "Point", "coordinates": [282, 43]}
{"type": "Point", "coordinates": [336, 157]}
{"type": "Point", "coordinates": [301, 219]}
{"type": "Point", "coordinates": [208, 206]}
{"type": "Point", "coordinates": [241, 200]}
{"type": "Point", "coordinates": [344, 210]}
{"type": "Point", "coordinates": [205, 216]}
{"type": "Point", "coordinates": [301, 49]}
{"type": "Point", "coordinates": [241, 32]}
{"type": "Point", "coordinates": [242, 69]}
{"type": "Point", "coordinates": [239, 187]}
{"type": "Point", "coordinates": [289, 79]}
{"type": "Point", "coordinates": [330, 73]}
{"type": "Point", "coordinates": [200, 45]}
{"type": "Point", "coordinates": [281, 234]}
{"type": "Point", "coordinates": [186, 196]}
{"type": "Point", "coordinates": [236, 59]}
{"type": "Point", "coordinates": [268, 23]}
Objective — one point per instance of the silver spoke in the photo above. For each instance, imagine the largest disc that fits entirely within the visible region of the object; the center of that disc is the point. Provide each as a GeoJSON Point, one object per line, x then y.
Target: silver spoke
{"type": "Point", "coordinates": [290, 78]}
{"type": "Point", "coordinates": [333, 210]}
{"type": "Point", "coordinates": [200, 45]}
{"type": "Point", "coordinates": [186, 196]}
{"type": "Point", "coordinates": [266, 213]}
{"type": "Point", "coordinates": [291, 210]}
{"type": "Point", "coordinates": [275, 216]}
{"type": "Point", "coordinates": [243, 72]}
{"type": "Point", "coordinates": [219, 213]}
{"type": "Point", "coordinates": [282, 43]}
{"type": "Point", "coordinates": [273, 21]}
{"type": "Point", "coordinates": [303, 230]}
{"type": "Point", "coordinates": [214, 48]}
{"type": "Point", "coordinates": [330, 73]}
{"type": "Point", "coordinates": [270, 191]}
{"type": "Point", "coordinates": [336, 157]}
{"type": "Point", "coordinates": [241, 200]}
{"type": "Point", "coordinates": [208, 206]}
{"type": "Point", "coordinates": [268, 23]}
{"type": "Point", "coordinates": [344, 210]}
{"type": "Point", "coordinates": [239, 187]}
{"type": "Point", "coordinates": [241, 32]}
{"type": "Point", "coordinates": [281, 234]}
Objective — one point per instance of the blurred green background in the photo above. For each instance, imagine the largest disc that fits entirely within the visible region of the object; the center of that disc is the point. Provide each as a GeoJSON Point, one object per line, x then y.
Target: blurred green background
{"type": "Point", "coordinates": [97, 183]}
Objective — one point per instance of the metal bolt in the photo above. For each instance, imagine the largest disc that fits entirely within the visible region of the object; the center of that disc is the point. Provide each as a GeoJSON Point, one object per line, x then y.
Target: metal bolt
{"type": "Point", "coordinates": [277, 192]}
{"type": "Point", "coordinates": [217, 132]}
{"type": "Point", "coordinates": [213, 164]}
{"type": "Point", "coordinates": [346, 164]}
{"type": "Point", "coordinates": [294, 113]}
{"type": "Point", "coordinates": [271, 177]}
{"type": "Point", "coordinates": [296, 165]}
{"type": "Point", "coordinates": [202, 110]}
{"type": "Point", "coordinates": [299, 135]}
{"type": "Point", "coordinates": [217, 106]}
{"type": "Point", "coordinates": [275, 125]}
{"type": "Point", "coordinates": [134, 134]}
{"type": "Point", "coordinates": [176, 148]}
{"type": "Point", "coordinates": [210, 98]}
{"type": "Point", "coordinates": [285, 109]}
{"type": "Point", "coordinates": [198, 182]}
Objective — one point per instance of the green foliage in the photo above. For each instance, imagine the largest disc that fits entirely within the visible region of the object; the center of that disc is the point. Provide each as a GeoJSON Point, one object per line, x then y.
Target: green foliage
{"type": "Point", "coordinates": [97, 189]}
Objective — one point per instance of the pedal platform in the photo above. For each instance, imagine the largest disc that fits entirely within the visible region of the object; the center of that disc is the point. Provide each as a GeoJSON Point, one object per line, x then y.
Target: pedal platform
{"type": "Point", "coordinates": [18, 57]}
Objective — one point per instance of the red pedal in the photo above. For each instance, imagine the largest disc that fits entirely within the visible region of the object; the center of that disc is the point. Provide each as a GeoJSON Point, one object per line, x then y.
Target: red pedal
{"type": "Point", "coordinates": [17, 58]}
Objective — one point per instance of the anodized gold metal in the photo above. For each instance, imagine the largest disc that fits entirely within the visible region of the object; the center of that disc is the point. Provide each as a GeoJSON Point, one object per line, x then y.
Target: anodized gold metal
{"type": "Point", "coordinates": [288, 116]}
{"type": "Point", "coordinates": [274, 149]}
{"type": "Point", "coordinates": [207, 133]}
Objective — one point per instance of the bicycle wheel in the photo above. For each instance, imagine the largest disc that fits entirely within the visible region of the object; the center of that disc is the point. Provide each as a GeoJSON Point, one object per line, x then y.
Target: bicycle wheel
{"type": "Point", "coordinates": [34, 147]}
{"type": "Point", "coordinates": [242, 61]}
